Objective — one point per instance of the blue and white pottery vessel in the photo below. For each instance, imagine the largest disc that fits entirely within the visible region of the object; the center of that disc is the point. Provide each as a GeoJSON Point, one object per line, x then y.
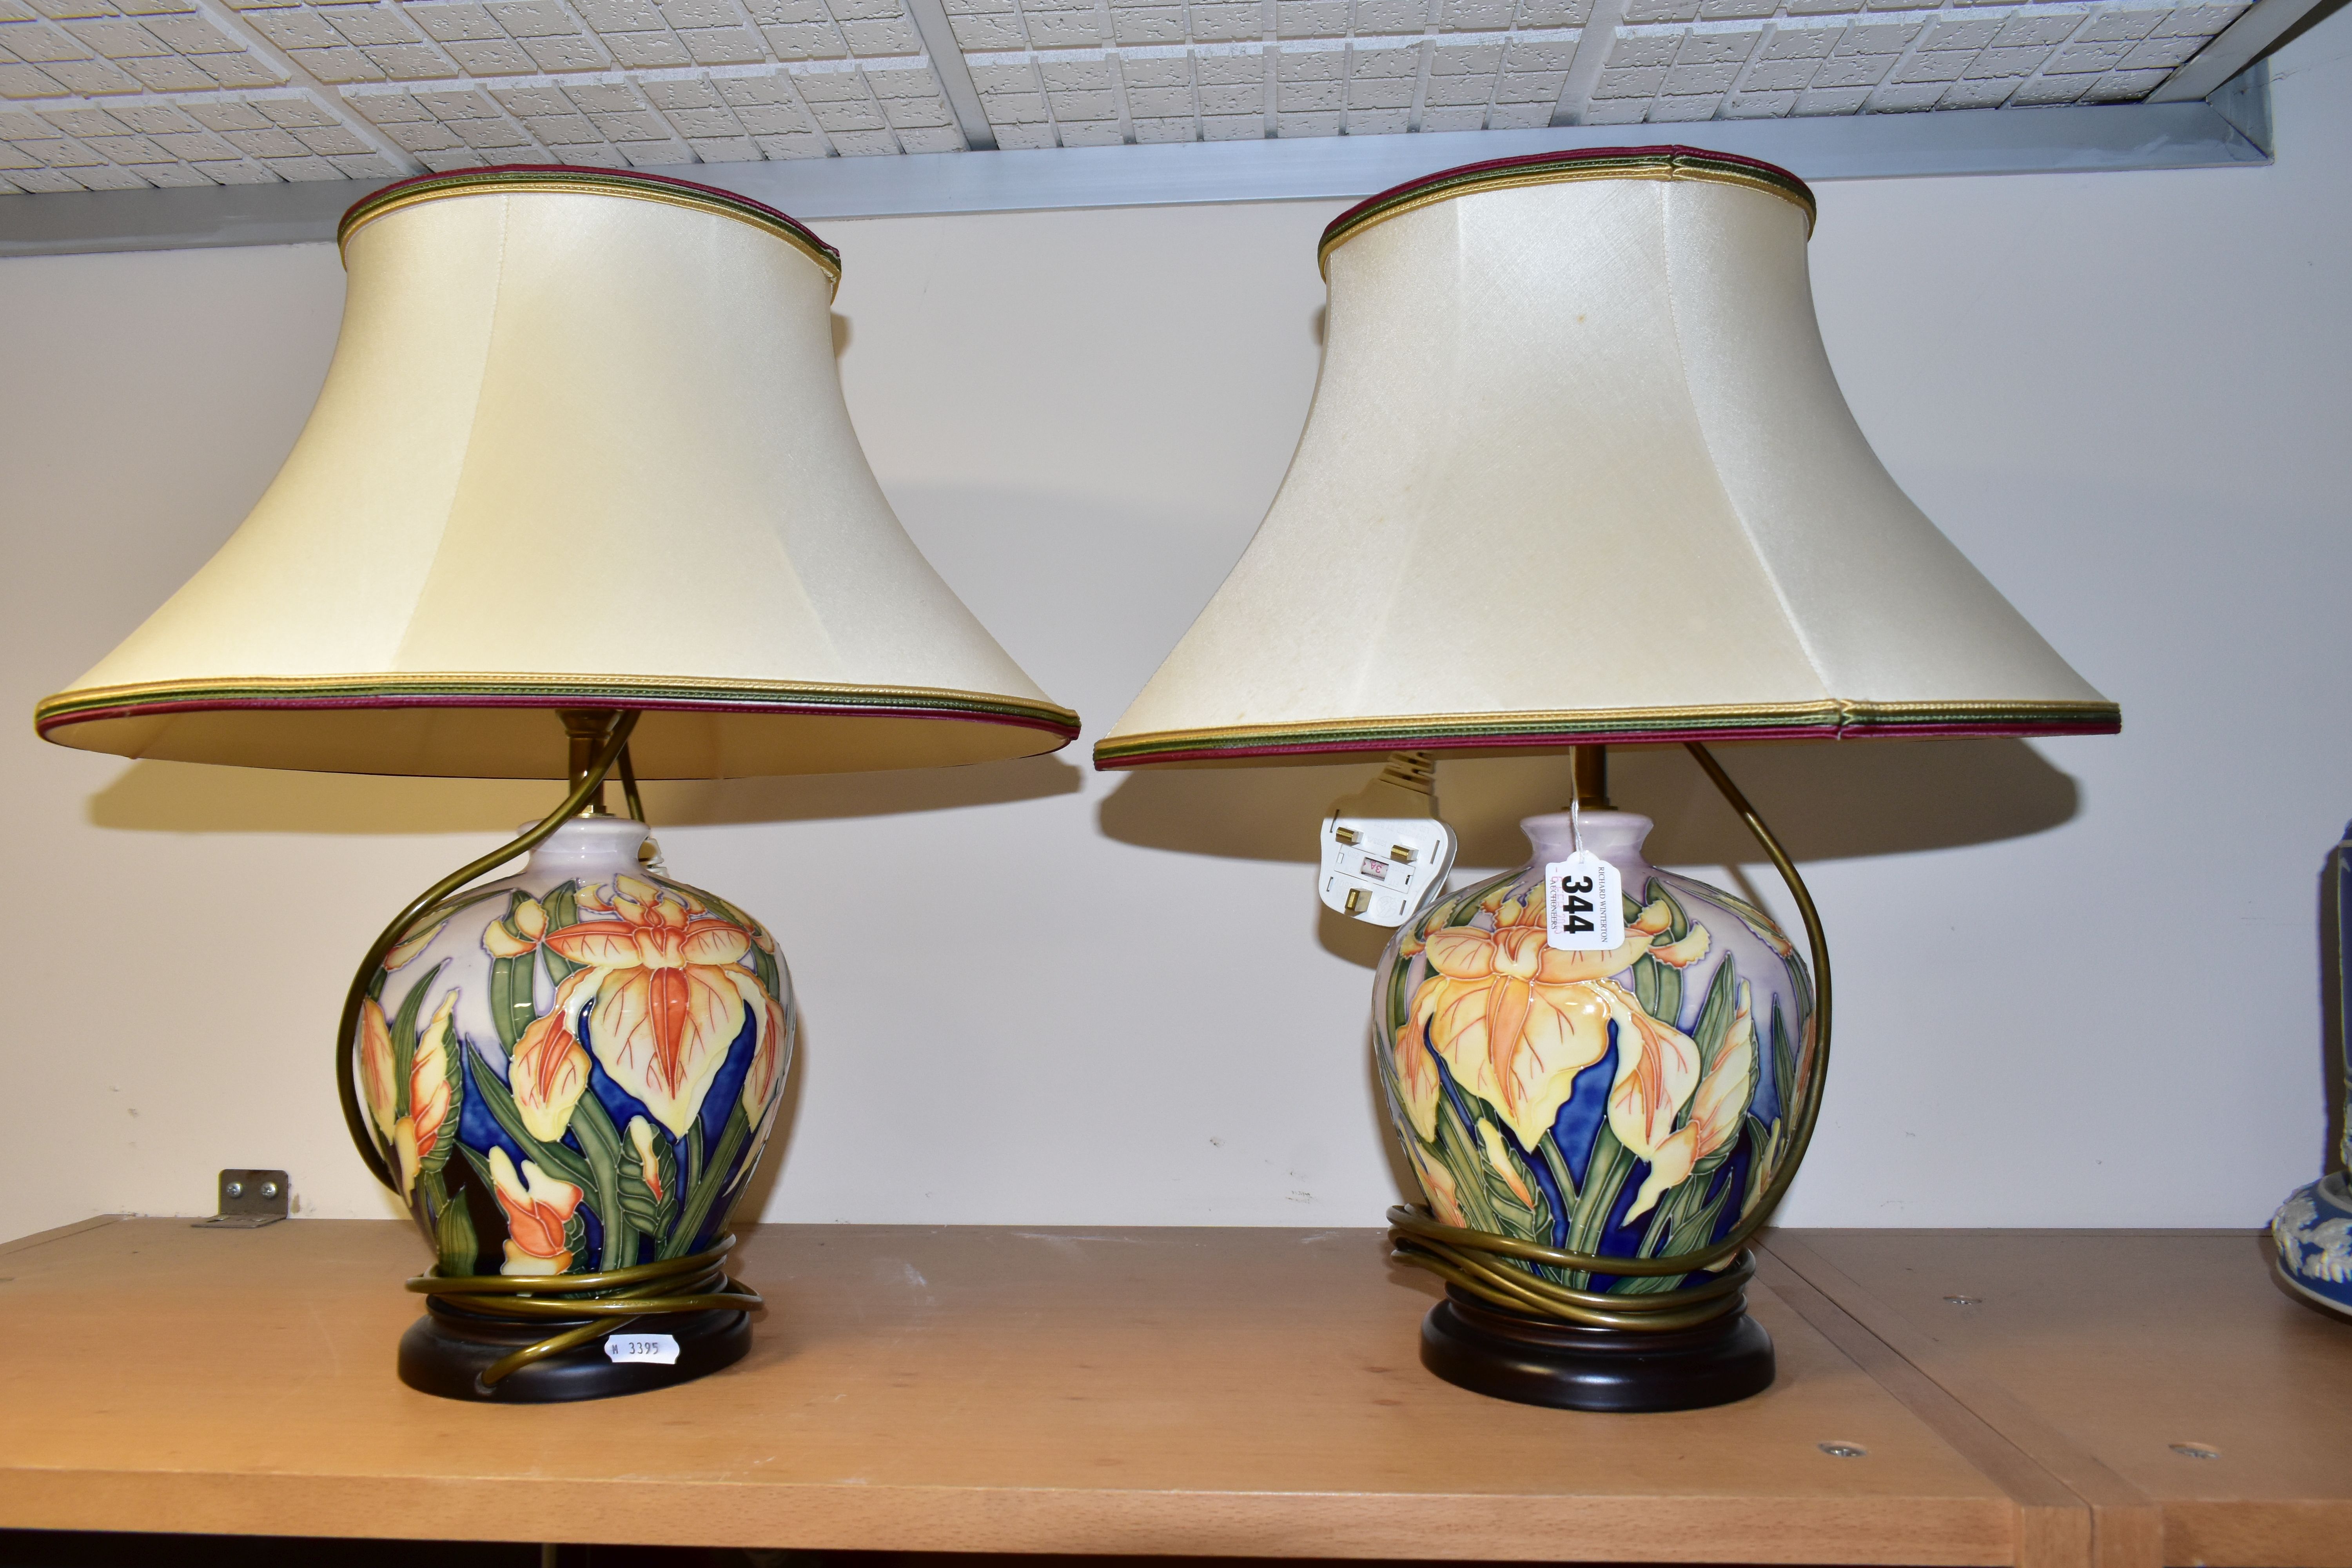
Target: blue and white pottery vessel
{"type": "Point", "coordinates": [2313, 1229]}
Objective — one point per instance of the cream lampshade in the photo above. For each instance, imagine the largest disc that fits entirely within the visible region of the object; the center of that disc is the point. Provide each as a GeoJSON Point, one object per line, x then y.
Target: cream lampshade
{"type": "Point", "coordinates": [1589, 385]}
{"type": "Point", "coordinates": [1576, 472]}
{"type": "Point", "coordinates": [580, 493]}
{"type": "Point", "coordinates": [582, 445]}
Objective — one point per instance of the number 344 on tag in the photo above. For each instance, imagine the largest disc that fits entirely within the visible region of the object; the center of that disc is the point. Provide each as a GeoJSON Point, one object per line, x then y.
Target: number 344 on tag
{"type": "Point", "coordinates": [1582, 910]}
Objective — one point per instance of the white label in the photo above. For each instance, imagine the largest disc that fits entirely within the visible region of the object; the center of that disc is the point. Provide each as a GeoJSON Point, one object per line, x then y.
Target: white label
{"type": "Point", "coordinates": [1582, 910]}
{"type": "Point", "coordinates": [658, 1348]}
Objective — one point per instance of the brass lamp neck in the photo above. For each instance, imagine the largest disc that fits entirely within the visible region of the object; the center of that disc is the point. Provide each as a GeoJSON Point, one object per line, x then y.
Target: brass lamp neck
{"type": "Point", "coordinates": [1590, 765]}
{"type": "Point", "coordinates": [588, 727]}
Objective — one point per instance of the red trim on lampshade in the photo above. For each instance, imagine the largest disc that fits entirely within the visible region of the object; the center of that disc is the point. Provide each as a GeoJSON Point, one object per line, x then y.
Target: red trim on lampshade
{"type": "Point", "coordinates": [1536, 740]}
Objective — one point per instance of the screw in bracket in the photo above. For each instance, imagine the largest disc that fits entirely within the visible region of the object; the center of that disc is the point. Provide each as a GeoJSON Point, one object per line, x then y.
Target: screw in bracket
{"type": "Point", "coordinates": [1843, 1450]}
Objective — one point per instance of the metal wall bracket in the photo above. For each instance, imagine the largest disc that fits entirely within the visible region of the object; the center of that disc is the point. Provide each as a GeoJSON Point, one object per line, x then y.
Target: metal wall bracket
{"type": "Point", "coordinates": [251, 1199]}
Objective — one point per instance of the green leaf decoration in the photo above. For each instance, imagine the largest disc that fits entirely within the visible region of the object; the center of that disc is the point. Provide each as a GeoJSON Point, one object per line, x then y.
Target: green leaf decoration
{"type": "Point", "coordinates": [453, 1238]}
{"type": "Point", "coordinates": [562, 907]}
{"type": "Point", "coordinates": [575, 1242]}
{"type": "Point", "coordinates": [1646, 972]}
{"type": "Point", "coordinates": [1715, 1014]}
{"type": "Point", "coordinates": [1458, 1153]}
{"type": "Point", "coordinates": [1677, 918]}
{"type": "Point", "coordinates": [1549, 1147]}
{"type": "Point", "coordinates": [1520, 1219]}
{"type": "Point", "coordinates": [1696, 1227]}
{"type": "Point", "coordinates": [512, 1010]}
{"type": "Point", "coordinates": [498, 1100]}
{"type": "Point", "coordinates": [600, 1141]}
{"type": "Point", "coordinates": [706, 1180]}
{"type": "Point", "coordinates": [1766, 1141]}
{"type": "Point", "coordinates": [1605, 1182]}
{"type": "Point", "coordinates": [1661, 1221]}
{"type": "Point", "coordinates": [654, 1216]}
{"type": "Point", "coordinates": [404, 1038]}
{"type": "Point", "coordinates": [1399, 1005]}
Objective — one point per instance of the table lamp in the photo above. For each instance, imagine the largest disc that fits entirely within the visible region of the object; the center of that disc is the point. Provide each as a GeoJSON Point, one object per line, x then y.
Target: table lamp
{"type": "Point", "coordinates": [580, 493]}
{"type": "Point", "coordinates": [1577, 473]}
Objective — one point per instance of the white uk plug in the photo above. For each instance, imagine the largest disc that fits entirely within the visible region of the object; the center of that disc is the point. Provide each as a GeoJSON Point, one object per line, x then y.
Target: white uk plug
{"type": "Point", "coordinates": [1385, 855]}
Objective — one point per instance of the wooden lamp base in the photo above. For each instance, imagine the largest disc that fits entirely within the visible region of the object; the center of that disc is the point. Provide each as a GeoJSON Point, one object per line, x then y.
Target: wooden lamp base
{"type": "Point", "coordinates": [446, 1352]}
{"type": "Point", "coordinates": [1539, 1361]}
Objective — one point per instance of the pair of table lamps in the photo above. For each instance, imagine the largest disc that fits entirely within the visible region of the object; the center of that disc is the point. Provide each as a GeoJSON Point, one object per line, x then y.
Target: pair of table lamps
{"type": "Point", "coordinates": [580, 499]}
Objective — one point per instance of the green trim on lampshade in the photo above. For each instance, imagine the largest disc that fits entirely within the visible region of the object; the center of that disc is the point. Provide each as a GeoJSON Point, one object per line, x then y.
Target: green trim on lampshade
{"type": "Point", "coordinates": [1829, 720]}
{"type": "Point", "coordinates": [1557, 168]}
{"type": "Point", "coordinates": [462, 690]}
{"type": "Point", "coordinates": [521, 178]}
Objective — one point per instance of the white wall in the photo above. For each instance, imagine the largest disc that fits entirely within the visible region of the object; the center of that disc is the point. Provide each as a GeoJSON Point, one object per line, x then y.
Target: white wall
{"type": "Point", "coordinates": [2122, 396]}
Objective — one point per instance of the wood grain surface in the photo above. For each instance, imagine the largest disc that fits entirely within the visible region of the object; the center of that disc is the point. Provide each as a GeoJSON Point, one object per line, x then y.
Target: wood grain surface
{"type": "Point", "coordinates": [2105, 1354]}
{"type": "Point", "coordinates": [1214, 1392]}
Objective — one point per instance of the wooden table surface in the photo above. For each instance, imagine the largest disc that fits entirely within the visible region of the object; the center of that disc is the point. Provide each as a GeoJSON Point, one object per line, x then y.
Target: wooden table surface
{"type": "Point", "coordinates": [2161, 1373]}
{"type": "Point", "coordinates": [1225, 1392]}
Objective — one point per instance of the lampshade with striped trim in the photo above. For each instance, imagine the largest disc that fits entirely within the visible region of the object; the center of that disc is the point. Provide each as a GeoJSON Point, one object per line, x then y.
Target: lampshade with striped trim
{"type": "Point", "coordinates": [1577, 470]}
{"type": "Point", "coordinates": [582, 445]}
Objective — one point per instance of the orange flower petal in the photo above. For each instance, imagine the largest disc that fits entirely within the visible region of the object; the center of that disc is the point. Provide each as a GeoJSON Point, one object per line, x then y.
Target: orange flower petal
{"type": "Point", "coordinates": [548, 1075]}
{"type": "Point", "coordinates": [1417, 1082]}
{"type": "Point", "coordinates": [1463, 953]}
{"type": "Point", "coordinates": [1657, 1069]}
{"type": "Point", "coordinates": [1670, 1166]}
{"type": "Point", "coordinates": [412, 944]}
{"type": "Point", "coordinates": [503, 943]}
{"type": "Point", "coordinates": [663, 1034]}
{"type": "Point", "coordinates": [1507, 999]}
{"type": "Point", "coordinates": [1683, 953]}
{"type": "Point", "coordinates": [602, 945]}
{"type": "Point", "coordinates": [379, 1083]}
{"type": "Point", "coordinates": [713, 942]}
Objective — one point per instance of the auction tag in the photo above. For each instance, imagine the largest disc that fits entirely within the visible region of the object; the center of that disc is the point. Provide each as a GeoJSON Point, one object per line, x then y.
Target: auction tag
{"type": "Point", "coordinates": [1582, 910]}
{"type": "Point", "coordinates": [658, 1348]}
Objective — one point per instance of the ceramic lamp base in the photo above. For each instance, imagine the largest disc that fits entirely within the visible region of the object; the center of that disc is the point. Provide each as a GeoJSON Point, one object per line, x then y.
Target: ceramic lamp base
{"type": "Point", "coordinates": [447, 1350]}
{"type": "Point", "coordinates": [1539, 1361]}
{"type": "Point", "coordinates": [2312, 1235]}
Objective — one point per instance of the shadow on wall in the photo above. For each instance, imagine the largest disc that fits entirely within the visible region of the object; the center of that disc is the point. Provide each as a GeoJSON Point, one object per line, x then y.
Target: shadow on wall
{"type": "Point", "coordinates": [191, 797]}
{"type": "Point", "coordinates": [1826, 802]}
{"type": "Point", "coordinates": [761, 1187]}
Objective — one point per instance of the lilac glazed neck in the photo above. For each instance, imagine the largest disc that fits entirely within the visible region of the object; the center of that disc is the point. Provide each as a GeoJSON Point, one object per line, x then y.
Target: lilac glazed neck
{"type": "Point", "coordinates": [588, 848]}
{"type": "Point", "coordinates": [1615, 836]}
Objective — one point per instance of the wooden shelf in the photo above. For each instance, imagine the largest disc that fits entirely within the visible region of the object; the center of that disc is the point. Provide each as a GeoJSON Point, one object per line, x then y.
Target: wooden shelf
{"type": "Point", "coordinates": [1244, 1393]}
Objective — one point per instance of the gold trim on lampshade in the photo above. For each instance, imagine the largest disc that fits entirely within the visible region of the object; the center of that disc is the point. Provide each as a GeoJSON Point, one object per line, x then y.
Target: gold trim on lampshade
{"type": "Point", "coordinates": [582, 445]}
{"type": "Point", "coordinates": [1577, 470]}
